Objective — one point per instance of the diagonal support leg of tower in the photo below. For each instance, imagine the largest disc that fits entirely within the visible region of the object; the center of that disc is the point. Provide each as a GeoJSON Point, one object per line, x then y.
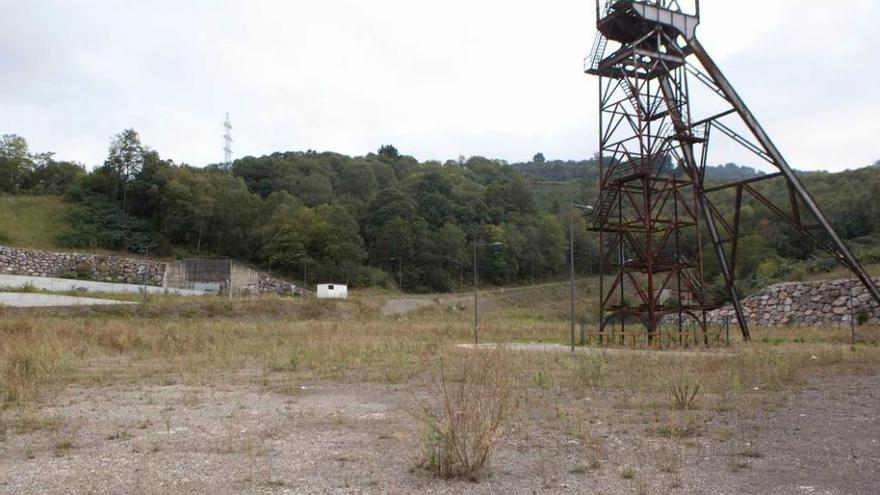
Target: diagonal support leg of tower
{"type": "Point", "coordinates": [845, 256]}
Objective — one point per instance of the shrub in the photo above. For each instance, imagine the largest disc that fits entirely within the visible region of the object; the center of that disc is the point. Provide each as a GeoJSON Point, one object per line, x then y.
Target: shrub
{"type": "Point", "coordinates": [684, 390]}
{"type": "Point", "coordinates": [862, 316]}
{"type": "Point", "coordinates": [474, 399]}
{"type": "Point", "coordinates": [96, 222]}
{"type": "Point", "coordinates": [593, 369]}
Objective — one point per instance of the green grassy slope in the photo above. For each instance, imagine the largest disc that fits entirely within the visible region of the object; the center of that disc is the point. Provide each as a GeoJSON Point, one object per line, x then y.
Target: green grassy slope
{"type": "Point", "coordinates": [32, 221]}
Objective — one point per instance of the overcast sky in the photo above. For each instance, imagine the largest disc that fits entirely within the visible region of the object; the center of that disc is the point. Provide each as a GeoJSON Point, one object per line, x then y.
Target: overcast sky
{"type": "Point", "coordinates": [497, 78]}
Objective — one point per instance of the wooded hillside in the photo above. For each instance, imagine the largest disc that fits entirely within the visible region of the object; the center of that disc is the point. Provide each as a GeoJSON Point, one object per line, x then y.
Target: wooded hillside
{"type": "Point", "coordinates": [386, 218]}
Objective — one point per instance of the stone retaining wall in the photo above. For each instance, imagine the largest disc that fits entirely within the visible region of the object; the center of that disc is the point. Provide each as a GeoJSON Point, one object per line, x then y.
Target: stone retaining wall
{"type": "Point", "coordinates": [823, 303]}
{"type": "Point", "coordinates": [16, 261]}
{"type": "Point", "coordinates": [119, 269]}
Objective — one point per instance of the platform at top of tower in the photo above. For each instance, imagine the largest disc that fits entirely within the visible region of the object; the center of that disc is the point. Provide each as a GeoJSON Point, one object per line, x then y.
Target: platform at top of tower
{"type": "Point", "coordinates": [626, 21]}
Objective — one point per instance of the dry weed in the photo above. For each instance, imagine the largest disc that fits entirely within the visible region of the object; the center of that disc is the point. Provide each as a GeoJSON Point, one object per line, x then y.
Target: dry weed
{"type": "Point", "coordinates": [684, 390]}
{"type": "Point", "coordinates": [474, 398]}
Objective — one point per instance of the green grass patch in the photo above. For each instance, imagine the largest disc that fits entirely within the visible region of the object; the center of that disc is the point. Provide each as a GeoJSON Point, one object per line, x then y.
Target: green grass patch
{"type": "Point", "coordinates": [33, 221]}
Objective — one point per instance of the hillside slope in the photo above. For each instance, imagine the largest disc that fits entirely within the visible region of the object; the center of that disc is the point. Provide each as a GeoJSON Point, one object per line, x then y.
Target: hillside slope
{"type": "Point", "coordinates": [32, 221]}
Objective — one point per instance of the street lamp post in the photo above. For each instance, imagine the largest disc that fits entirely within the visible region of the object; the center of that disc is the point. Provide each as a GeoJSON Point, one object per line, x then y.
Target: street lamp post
{"type": "Point", "coordinates": [476, 292]}
{"type": "Point", "coordinates": [571, 263]}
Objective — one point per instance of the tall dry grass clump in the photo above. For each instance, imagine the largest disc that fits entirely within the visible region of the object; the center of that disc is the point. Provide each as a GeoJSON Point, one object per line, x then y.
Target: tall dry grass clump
{"type": "Point", "coordinates": [28, 357]}
{"type": "Point", "coordinates": [684, 388]}
{"type": "Point", "coordinates": [474, 398]}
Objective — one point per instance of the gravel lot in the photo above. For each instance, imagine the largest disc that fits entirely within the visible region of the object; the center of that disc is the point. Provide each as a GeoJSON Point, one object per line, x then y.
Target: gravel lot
{"type": "Point", "coordinates": [234, 435]}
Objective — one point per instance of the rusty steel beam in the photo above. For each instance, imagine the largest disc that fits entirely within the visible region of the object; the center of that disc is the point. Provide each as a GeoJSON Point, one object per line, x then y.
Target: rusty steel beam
{"type": "Point", "coordinates": [779, 161]}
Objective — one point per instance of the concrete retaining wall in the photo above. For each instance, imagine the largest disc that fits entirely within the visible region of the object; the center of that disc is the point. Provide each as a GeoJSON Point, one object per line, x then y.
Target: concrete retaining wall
{"type": "Point", "coordinates": [198, 271]}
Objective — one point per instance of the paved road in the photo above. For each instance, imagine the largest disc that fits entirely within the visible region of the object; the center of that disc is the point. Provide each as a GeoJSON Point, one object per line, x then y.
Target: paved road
{"type": "Point", "coordinates": [28, 300]}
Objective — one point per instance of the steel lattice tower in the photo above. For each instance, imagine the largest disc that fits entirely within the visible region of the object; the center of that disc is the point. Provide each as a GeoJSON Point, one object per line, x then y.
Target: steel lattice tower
{"type": "Point", "coordinates": [227, 144]}
{"type": "Point", "coordinates": [654, 214]}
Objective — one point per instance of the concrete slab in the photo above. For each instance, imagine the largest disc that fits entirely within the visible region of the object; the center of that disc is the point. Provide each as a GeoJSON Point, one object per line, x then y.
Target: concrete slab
{"type": "Point", "coordinates": [559, 348]}
{"type": "Point", "coordinates": [29, 300]}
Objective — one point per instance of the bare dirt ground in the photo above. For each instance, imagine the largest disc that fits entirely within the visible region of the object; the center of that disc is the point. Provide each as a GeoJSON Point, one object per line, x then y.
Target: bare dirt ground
{"type": "Point", "coordinates": [234, 434]}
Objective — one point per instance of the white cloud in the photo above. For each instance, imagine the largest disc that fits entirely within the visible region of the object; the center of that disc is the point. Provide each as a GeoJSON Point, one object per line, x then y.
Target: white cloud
{"type": "Point", "coordinates": [437, 79]}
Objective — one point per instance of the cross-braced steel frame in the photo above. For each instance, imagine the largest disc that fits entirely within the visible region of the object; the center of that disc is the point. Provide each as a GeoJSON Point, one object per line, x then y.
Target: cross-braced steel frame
{"type": "Point", "coordinates": [654, 209]}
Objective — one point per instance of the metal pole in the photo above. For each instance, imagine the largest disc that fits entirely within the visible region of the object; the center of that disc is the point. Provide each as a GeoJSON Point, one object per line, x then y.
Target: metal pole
{"type": "Point", "coordinates": [146, 268]}
{"type": "Point", "coordinates": [460, 272]}
{"type": "Point", "coordinates": [400, 273]}
{"type": "Point", "coordinates": [476, 301]}
{"type": "Point", "coordinates": [727, 329]}
{"type": "Point", "coordinates": [852, 315]}
{"type": "Point", "coordinates": [571, 268]}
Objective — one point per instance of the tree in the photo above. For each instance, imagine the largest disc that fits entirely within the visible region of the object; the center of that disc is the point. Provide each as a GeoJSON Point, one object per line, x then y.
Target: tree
{"type": "Point", "coordinates": [388, 151]}
{"type": "Point", "coordinates": [539, 158]}
{"type": "Point", "coordinates": [357, 179]}
{"type": "Point", "coordinates": [50, 177]}
{"type": "Point", "coordinates": [15, 160]}
{"type": "Point", "coordinates": [125, 160]}
{"type": "Point", "coordinates": [340, 245]}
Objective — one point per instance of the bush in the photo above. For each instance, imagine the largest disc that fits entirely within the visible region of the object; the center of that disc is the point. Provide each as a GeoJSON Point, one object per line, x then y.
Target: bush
{"type": "Point", "coordinates": [98, 223]}
{"type": "Point", "coordinates": [684, 390]}
{"type": "Point", "coordinates": [862, 316]}
{"type": "Point", "coordinates": [593, 369]}
{"type": "Point", "coordinates": [474, 398]}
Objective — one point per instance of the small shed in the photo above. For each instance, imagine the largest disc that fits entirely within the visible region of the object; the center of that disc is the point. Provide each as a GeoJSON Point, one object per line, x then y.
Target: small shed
{"type": "Point", "coordinates": [332, 291]}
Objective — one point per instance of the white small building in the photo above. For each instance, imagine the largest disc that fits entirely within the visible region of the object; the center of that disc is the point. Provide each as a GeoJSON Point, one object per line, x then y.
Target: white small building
{"type": "Point", "coordinates": [332, 291]}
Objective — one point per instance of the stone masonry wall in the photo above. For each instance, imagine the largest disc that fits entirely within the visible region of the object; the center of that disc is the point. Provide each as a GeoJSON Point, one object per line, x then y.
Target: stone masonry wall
{"type": "Point", "coordinates": [15, 261]}
{"type": "Point", "coordinates": [823, 303]}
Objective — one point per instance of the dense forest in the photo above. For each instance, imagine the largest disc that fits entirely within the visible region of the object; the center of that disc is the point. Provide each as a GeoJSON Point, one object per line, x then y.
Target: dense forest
{"type": "Point", "coordinates": [386, 219]}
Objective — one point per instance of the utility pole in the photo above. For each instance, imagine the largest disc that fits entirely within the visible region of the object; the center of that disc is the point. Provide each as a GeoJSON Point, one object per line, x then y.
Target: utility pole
{"type": "Point", "coordinates": [399, 260]}
{"type": "Point", "coordinates": [305, 258]}
{"type": "Point", "coordinates": [571, 269]}
{"type": "Point", "coordinates": [571, 263]}
{"type": "Point", "coordinates": [476, 300]}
